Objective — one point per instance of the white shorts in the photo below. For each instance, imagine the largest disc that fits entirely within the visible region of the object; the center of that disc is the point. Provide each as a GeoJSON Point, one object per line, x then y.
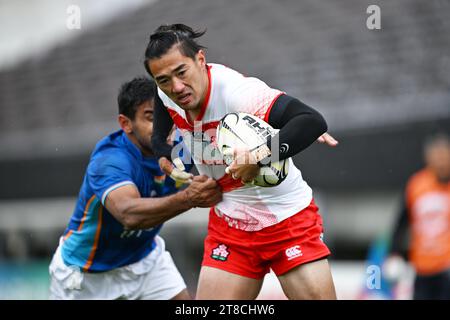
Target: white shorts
{"type": "Point", "coordinates": [153, 278]}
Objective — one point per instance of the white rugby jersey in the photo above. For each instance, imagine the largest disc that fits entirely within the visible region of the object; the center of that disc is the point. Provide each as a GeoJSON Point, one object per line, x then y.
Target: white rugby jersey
{"type": "Point", "coordinates": [246, 207]}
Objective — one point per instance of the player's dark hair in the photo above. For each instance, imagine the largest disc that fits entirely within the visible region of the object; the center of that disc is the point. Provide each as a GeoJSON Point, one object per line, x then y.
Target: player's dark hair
{"type": "Point", "coordinates": [134, 93]}
{"type": "Point", "coordinates": [166, 36]}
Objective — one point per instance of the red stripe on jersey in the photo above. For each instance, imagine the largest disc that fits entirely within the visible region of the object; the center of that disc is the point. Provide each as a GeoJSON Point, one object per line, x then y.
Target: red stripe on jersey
{"type": "Point", "coordinates": [210, 125]}
{"type": "Point", "coordinates": [227, 183]}
{"type": "Point", "coordinates": [266, 116]}
{"type": "Point", "coordinates": [179, 121]}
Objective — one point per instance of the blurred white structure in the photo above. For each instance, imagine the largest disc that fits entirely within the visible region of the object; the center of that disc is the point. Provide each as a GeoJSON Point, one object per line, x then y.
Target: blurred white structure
{"type": "Point", "coordinates": [32, 28]}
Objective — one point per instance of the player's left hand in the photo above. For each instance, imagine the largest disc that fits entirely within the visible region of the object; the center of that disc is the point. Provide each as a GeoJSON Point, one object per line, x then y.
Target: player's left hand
{"type": "Point", "coordinates": [244, 166]}
{"type": "Point", "coordinates": [328, 139]}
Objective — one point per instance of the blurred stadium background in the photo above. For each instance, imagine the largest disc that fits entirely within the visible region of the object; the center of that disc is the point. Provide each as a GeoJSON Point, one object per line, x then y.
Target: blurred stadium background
{"type": "Point", "coordinates": [382, 92]}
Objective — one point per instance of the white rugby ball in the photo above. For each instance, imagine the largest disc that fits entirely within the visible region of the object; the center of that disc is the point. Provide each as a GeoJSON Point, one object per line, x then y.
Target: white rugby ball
{"type": "Point", "coordinates": [243, 130]}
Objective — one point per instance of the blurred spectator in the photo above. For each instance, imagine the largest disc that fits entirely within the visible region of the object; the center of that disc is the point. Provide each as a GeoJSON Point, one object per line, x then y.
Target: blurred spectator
{"type": "Point", "coordinates": [422, 233]}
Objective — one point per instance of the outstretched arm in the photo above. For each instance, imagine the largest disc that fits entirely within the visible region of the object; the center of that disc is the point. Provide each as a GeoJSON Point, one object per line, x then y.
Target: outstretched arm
{"type": "Point", "coordinates": [134, 212]}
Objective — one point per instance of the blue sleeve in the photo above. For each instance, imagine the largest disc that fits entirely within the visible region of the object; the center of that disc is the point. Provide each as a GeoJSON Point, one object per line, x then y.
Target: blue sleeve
{"type": "Point", "coordinates": [108, 172]}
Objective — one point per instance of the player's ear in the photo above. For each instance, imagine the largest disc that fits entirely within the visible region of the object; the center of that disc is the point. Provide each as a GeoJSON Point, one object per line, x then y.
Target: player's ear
{"type": "Point", "coordinates": [201, 57]}
{"type": "Point", "coordinates": [125, 123]}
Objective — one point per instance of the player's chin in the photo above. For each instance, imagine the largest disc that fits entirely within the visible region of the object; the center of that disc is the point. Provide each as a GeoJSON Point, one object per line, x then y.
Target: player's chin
{"type": "Point", "coordinates": [189, 105]}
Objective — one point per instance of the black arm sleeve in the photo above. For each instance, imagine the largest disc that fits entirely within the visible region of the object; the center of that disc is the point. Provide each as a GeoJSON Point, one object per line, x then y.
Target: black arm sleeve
{"type": "Point", "coordinates": [162, 124]}
{"type": "Point", "coordinates": [299, 126]}
{"type": "Point", "coordinates": [400, 235]}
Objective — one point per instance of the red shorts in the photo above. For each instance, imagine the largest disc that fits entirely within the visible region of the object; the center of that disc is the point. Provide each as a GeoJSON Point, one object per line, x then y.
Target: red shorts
{"type": "Point", "coordinates": [281, 247]}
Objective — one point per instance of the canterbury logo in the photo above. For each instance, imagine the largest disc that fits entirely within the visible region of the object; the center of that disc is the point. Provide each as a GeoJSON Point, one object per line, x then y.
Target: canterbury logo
{"type": "Point", "coordinates": [284, 148]}
{"type": "Point", "coordinates": [293, 252]}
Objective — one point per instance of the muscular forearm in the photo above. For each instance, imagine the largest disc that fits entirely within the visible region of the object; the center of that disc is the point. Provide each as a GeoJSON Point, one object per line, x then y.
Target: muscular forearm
{"type": "Point", "coordinates": [134, 212]}
{"type": "Point", "coordinates": [144, 213]}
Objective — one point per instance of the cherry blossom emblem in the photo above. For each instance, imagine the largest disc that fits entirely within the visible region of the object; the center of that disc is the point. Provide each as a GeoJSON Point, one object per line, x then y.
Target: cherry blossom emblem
{"type": "Point", "coordinates": [220, 253]}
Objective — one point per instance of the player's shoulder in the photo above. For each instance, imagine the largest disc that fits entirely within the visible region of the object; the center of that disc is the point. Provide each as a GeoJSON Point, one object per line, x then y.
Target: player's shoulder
{"type": "Point", "coordinates": [420, 179]}
{"type": "Point", "coordinates": [111, 150]}
{"type": "Point", "coordinates": [222, 70]}
{"type": "Point", "coordinates": [114, 142]}
{"type": "Point", "coordinates": [225, 76]}
{"type": "Point", "coordinates": [232, 84]}
{"type": "Point", "coordinates": [422, 174]}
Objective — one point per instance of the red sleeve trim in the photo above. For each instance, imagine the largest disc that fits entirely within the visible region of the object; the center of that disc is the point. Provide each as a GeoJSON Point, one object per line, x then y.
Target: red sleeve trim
{"type": "Point", "coordinates": [266, 116]}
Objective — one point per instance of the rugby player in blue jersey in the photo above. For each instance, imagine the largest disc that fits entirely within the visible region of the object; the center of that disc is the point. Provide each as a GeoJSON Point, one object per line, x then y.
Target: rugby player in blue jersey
{"type": "Point", "coordinates": [111, 248]}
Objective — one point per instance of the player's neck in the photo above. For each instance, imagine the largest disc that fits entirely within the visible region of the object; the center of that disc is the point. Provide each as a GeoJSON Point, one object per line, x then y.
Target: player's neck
{"type": "Point", "coordinates": [193, 114]}
{"type": "Point", "coordinates": [145, 151]}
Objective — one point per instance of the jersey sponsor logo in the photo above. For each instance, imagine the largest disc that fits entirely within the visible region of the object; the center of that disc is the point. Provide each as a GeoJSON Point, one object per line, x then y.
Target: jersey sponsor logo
{"type": "Point", "coordinates": [133, 233]}
{"type": "Point", "coordinates": [293, 252]}
{"type": "Point", "coordinates": [220, 252]}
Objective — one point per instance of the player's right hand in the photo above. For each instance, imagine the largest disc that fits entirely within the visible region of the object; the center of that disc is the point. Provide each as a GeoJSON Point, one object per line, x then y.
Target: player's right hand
{"type": "Point", "coordinates": [175, 170]}
{"type": "Point", "coordinates": [203, 192]}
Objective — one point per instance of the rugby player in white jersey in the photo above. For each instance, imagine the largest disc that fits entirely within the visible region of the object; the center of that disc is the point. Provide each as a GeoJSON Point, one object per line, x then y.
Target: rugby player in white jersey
{"type": "Point", "coordinates": [253, 229]}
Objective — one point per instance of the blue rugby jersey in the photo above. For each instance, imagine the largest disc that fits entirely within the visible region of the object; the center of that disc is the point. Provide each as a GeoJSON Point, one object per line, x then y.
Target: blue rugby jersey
{"type": "Point", "coordinates": [94, 240]}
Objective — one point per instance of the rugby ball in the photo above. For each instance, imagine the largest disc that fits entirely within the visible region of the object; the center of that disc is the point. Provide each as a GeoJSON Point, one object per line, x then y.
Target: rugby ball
{"type": "Point", "coordinates": [243, 130]}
